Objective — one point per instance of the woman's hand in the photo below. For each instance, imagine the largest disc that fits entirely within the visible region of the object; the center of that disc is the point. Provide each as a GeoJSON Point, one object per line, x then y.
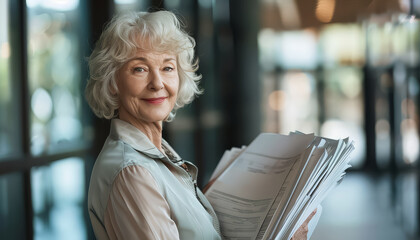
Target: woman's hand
{"type": "Point", "coordinates": [302, 232]}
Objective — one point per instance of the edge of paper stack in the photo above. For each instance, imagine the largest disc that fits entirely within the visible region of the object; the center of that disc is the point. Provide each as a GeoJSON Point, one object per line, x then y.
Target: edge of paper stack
{"type": "Point", "coordinates": [268, 189]}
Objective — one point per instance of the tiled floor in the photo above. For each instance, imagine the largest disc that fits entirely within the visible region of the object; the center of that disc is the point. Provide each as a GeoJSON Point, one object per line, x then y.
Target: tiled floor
{"type": "Point", "coordinates": [370, 207]}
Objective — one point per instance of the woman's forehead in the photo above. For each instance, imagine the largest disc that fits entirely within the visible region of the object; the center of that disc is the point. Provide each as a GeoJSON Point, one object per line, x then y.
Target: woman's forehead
{"type": "Point", "coordinates": [153, 56]}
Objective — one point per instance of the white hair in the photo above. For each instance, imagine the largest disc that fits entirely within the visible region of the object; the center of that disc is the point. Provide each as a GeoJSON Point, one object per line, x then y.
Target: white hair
{"type": "Point", "coordinates": [122, 37]}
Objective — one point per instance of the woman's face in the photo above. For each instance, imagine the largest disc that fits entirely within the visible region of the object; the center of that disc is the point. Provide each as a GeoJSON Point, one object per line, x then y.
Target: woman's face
{"type": "Point", "coordinates": [148, 86]}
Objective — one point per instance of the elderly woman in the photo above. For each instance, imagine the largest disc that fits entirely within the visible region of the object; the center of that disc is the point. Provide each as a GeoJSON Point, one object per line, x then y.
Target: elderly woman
{"type": "Point", "coordinates": [141, 70]}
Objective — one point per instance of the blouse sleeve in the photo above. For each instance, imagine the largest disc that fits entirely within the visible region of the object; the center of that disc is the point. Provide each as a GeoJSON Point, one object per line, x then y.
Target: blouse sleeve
{"type": "Point", "coordinates": [136, 209]}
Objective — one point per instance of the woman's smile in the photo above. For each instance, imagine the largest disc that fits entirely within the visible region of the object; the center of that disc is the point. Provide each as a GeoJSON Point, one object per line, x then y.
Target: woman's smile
{"type": "Point", "coordinates": [158, 100]}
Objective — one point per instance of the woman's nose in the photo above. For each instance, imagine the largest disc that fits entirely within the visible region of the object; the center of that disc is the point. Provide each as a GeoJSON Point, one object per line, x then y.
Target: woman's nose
{"type": "Point", "coordinates": [156, 81]}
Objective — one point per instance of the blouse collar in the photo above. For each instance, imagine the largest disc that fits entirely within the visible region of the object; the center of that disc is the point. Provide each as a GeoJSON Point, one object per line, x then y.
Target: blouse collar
{"type": "Point", "coordinates": [129, 134]}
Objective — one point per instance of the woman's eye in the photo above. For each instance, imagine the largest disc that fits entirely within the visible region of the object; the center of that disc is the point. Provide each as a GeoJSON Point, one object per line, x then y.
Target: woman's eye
{"type": "Point", "coordinates": [139, 69]}
{"type": "Point", "coordinates": [168, 69]}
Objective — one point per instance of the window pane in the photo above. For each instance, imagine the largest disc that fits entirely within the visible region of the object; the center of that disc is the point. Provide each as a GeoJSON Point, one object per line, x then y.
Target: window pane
{"type": "Point", "coordinates": [8, 139]}
{"type": "Point", "coordinates": [58, 200]}
{"type": "Point", "coordinates": [12, 215]}
{"type": "Point", "coordinates": [406, 81]}
{"type": "Point", "coordinates": [290, 102]}
{"type": "Point", "coordinates": [288, 83]}
{"type": "Point", "coordinates": [343, 50]}
{"type": "Point", "coordinates": [397, 90]}
{"type": "Point", "coordinates": [130, 5]}
{"type": "Point", "coordinates": [318, 91]}
{"type": "Point", "coordinates": [54, 61]}
{"type": "Point", "coordinates": [288, 49]}
{"type": "Point", "coordinates": [344, 116]}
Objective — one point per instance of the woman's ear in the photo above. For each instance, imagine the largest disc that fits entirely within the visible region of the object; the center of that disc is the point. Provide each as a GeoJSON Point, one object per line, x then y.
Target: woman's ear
{"type": "Point", "coordinates": [112, 90]}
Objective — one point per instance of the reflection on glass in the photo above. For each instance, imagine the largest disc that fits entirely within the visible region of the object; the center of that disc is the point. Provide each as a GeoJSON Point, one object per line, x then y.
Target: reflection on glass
{"type": "Point", "coordinates": [289, 96]}
{"type": "Point", "coordinates": [342, 44]}
{"type": "Point", "coordinates": [290, 103]}
{"type": "Point", "coordinates": [8, 140]}
{"type": "Point", "coordinates": [202, 3]}
{"type": "Point", "coordinates": [12, 215]}
{"type": "Point", "coordinates": [379, 43]}
{"type": "Point", "coordinates": [343, 53]}
{"type": "Point", "coordinates": [383, 126]}
{"type": "Point", "coordinates": [393, 51]}
{"type": "Point", "coordinates": [410, 141]}
{"type": "Point", "coordinates": [383, 142]}
{"type": "Point", "coordinates": [409, 40]}
{"type": "Point", "coordinates": [288, 49]}
{"type": "Point", "coordinates": [54, 73]}
{"type": "Point", "coordinates": [344, 108]}
{"type": "Point", "coordinates": [300, 109]}
{"type": "Point", "coordinates": [58, 200]}
{"type": "Point", "coordinates": [41, 104]}
{"type": "Point", "coordinates": [61, 5]}
{"type": "Point", "coordinates": [334, 128]}
{"type": "Point", "coordinates": [131, 5]}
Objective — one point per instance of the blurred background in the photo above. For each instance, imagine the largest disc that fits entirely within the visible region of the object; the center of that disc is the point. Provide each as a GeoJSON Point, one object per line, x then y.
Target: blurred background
{"type": "Point", "coordinates": [333, 67]}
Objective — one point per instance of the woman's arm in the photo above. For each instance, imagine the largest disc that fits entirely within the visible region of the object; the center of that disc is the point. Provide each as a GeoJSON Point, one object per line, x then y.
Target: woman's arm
{"type": "Point", "coordinates": [136, 209]}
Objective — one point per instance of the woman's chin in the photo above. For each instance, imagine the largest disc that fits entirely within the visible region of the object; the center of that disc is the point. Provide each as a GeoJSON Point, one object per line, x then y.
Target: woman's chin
{"type": "Point", "coordinates": [156, 118]}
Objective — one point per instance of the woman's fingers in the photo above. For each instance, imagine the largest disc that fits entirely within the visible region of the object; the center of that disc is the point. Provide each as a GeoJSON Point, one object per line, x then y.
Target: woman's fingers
{"type": "Point", "coordinates": [310, 217]}
{"type": "Point", "coordinates": [302, 232]}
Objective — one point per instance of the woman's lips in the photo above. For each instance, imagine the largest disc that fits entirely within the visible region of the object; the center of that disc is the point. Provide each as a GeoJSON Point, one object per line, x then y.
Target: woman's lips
{"type": "Point", "coordinates": [155, 100]}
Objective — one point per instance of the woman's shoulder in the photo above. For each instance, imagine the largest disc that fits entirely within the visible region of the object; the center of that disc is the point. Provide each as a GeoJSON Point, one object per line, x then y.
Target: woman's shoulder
{"type": "Point", "coordinates": [117, 155]}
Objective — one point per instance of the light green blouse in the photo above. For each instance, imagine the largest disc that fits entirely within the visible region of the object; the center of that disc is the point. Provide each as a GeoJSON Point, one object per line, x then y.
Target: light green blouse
{"type": "Point", "coordinates": [137, 192]}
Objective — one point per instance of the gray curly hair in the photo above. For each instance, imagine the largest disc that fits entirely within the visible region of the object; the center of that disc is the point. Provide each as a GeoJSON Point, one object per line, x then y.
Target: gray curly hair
{"type": "Point", "coordinates": [158, 31]}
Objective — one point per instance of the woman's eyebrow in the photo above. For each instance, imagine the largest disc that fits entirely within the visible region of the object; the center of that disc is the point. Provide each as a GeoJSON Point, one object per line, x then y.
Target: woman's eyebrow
{"type": "Point", "coordinates": [140, 59]}
{"type": "Point", "coordinates": [145, 59]}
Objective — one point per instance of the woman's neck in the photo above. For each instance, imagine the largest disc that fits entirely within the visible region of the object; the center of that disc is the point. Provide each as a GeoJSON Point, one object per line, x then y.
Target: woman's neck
{"type": "Point", "coordinates": [152, 130]}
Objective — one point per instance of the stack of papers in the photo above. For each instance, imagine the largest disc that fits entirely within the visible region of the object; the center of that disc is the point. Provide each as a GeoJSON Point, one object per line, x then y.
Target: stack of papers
{"type": "Point", "coordinates": [268, 189]}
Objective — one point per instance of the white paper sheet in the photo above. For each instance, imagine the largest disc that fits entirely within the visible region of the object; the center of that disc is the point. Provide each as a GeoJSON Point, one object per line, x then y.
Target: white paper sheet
{"type": "Point", "coordinates": [241, 196]}
{"type": "Point", "coordinates": [268, 189]}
